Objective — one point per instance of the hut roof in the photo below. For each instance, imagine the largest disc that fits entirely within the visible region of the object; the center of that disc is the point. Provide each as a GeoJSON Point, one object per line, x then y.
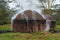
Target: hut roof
{"type": "Point", "coordinates": [32, 15]}
{"type": "Point", "coordinates": [29, 15]}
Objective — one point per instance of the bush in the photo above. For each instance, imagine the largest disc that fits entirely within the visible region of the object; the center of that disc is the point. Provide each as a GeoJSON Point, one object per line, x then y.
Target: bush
{"type": "Point", "coordinates": [58, 22]}
{"type": "Point", "coordinates": [3, 22]}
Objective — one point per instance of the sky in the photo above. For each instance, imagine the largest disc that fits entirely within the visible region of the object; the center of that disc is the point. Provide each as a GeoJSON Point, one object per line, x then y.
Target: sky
{"type": "Point", "coordinates": [13, 5]}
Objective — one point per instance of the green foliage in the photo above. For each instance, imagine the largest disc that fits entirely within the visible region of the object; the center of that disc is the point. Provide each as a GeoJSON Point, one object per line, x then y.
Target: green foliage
{"type": "Point", "coordinates": [58, 22]}
{"type": "Point", "coordinates": [57, 27]}
{"type": "Point", "coordinates": [5, 12]}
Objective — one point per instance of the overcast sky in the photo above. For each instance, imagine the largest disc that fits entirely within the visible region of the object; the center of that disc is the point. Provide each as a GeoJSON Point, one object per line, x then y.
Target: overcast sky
{"type": "Point", "coordinates": [13, 5]}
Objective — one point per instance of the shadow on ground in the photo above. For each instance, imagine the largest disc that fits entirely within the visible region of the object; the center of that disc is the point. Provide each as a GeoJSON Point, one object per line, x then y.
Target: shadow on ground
{"type": "Point", "coordinates": [9, 31]}
{"type": "Point", "coordinates": [5, 31]}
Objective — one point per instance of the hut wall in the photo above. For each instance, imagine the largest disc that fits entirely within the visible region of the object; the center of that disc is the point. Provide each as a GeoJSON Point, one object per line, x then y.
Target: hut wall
{"type": "Point", "coordinates": [42, 25]}
{"type": "Point", "coordinates": [30, 26]}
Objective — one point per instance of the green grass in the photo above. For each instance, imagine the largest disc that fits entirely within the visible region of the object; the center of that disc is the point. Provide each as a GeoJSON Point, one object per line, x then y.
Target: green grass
{"type": "Point", "coordinates": [57, 27]}
{"type": "Point", "coordinates": [5, 27]}
{"type": "Point", "coordinates": [26, 36]}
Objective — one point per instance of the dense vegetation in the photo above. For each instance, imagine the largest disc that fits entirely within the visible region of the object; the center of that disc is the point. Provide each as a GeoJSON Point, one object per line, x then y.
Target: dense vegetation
{"type": "Point", "coordinates": [5, 12]}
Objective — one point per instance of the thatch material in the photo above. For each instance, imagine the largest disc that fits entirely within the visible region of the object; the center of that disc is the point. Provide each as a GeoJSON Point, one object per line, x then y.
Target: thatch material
{"type": "Point", "coordinates": [34, 23]}
{"type": "Point", "coordinates": [31, 21]}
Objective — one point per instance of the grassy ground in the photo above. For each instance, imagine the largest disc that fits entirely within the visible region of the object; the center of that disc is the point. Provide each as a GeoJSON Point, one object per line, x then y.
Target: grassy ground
{"type": "Point", "coordinates": [27, 36]}
{"type": "Point", "coordinates": [57, 27]}
{"type": "Point", "coordinates": [5, 27]}
{"type": "Point", "coordinates": [32, 36]}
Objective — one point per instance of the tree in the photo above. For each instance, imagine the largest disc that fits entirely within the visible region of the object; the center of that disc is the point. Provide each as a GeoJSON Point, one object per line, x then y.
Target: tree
{"type": "Point", "coordinates": [47, 5]}
{"type": "Point", "coordinates": [5, 12]}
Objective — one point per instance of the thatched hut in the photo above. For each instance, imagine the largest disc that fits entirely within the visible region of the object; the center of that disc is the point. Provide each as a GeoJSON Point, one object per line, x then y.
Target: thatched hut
{"type": "Point", "coordinates": [29, 21]}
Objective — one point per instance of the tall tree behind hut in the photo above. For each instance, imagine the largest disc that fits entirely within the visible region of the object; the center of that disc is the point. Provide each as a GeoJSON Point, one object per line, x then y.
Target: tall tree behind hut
{"type": "Point", "coordinates": [48, 5]}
